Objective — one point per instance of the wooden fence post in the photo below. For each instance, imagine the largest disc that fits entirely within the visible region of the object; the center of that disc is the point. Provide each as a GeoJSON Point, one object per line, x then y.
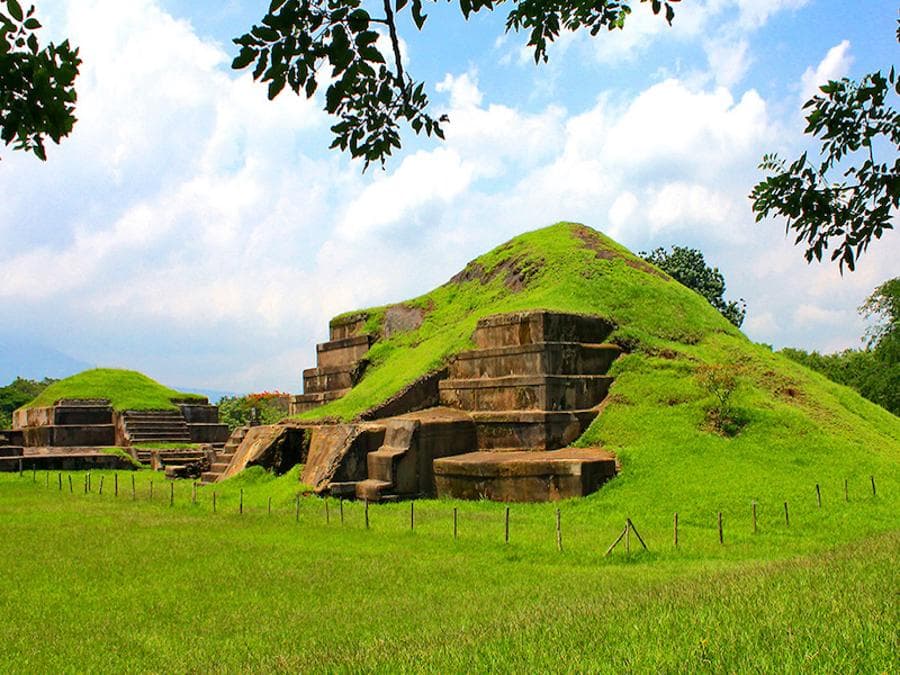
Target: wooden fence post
{"type": "Point", "coordinates": [846, 492]}
{"type": "Point", "coordinates": [721, 536]}
{"type": "Point", "coordinates": [872, 478]}
{"type": "Point", "coordinates": [194, 492]}
{"type": "Point", "coordinates": [116, 484]}
{"type": "Point", "coordinates": [59, 480]}
{"type": "Point", "coordinates": [133, 490]}
{"type": "Point", "coordinates": [787, 519]}
{"type": "Point", "coordinates": [85, 483]}
{"type": "Point", "coordinates": [506, 528]}
{"type": "Point", "coordinates": [327, 514]}
{"type": "Point", "coordinates": [101, 485]}
{"type": "Point", "coordinates": [71, 490]}
{"type": "Point", "coordinates": [818, 496]}
{"type": "Point", "coordinates": [367, 513]}
{"type": "Point", "coordinates": [172, 493]}
{"type": "Point", "coordinates": [241, 505]}
{"type": "Point", "coordinates": [270, 506]}
{"type": "Point", "coordinates": [558, 531]}
{"type": "Point", "coordinates": [627, 537]}
{"type": "Point", "coordinates": [675, 528]}
{"type": "Point", "coordinates": [297, 508]}
{"type": "Point", "coordinates": [214, 501]}
{"type": "Point", "coordinates": [754, 517]}
{"type": "Point", "coordinates": [454, 523]}
{"type": "Point", "coordinates": [341, 507]}
{"type": "Point", "coordinates": [151, 488]}
{"type": "Point", "coordinates": [412, 516]}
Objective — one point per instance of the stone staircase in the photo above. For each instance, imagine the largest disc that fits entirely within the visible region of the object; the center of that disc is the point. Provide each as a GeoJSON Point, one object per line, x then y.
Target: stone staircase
{"type": "Point", "coordinates": [339, 364]}
{"type": "Point", "coordinates": [391, 468]}
{"type": "Point", "coordinates": [222, 458]}
{"type": "Point", "coordinates": [156, 426]}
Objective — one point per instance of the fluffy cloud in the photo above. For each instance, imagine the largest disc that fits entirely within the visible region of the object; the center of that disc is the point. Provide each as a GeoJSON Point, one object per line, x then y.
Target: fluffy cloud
{"type": "Point", "coordinates": [834, 66]}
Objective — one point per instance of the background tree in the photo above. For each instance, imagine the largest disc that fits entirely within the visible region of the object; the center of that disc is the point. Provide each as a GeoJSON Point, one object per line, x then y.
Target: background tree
{"type": "Point", "coordinates": [37, 92]}
{"type": "Point", "coordinates": [370, 93]}
{"type": "Point", "coordinates": [16, 394]}
{"type": "Point", "coordinates": [875, 370]}
{"type": "Point", "coordinates": [847, 197]}
{"type": "Point", "coordinates": [687, 266]}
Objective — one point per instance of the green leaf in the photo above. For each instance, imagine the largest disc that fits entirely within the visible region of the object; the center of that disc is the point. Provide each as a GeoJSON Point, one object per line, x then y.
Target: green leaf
{"type": "Point", "coordinates": [15, 9]}
{"type": "Point", "coordinates": [32, 24]}
{"type": "Point", "coordinates": [244, 58]}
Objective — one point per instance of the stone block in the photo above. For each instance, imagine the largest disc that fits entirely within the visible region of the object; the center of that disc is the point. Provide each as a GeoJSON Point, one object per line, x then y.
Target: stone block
{"type": "Point", "coordinates": [208, 433]}
{"type": "Point", "coordinates": [303, 402]}
{"type": "Point", "coordinates": [536, 429]}
{"type": "Point", "coordinates": [347, 326]}
{"type": "Point", "coordinates": [529, 392]}
{"type": "Point", "coordinates": [523, 328]}
{"type": "Point", "coordinates": [70, 435]}
{"type": "Point", "coordinates": [332, 378]}
{"type": "Point", "coordinates": [344, 352]}
{"type": "Point", "coordinates": [550, 358]}
{"type": "Point", "coordinates": [199, 413]}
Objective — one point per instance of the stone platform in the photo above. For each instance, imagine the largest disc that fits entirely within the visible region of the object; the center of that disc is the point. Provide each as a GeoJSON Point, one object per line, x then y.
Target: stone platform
{"type": "Point", "coordinates": [524, 476]}
{"type": "Point", "coordinates": [63, 459]}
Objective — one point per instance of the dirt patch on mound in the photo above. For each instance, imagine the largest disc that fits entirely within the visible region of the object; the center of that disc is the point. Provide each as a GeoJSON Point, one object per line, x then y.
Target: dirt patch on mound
{"type": "Point", "coordinates": [400, 318]}
{"type": "Point", "coordinates": [516, 272]}
{"type": "Point", "coordinates": [594, 243]}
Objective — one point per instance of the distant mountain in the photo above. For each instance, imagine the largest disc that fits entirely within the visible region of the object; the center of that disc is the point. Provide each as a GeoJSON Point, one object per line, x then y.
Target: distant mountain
{"type": "Point", "coordinates": [20, 357]}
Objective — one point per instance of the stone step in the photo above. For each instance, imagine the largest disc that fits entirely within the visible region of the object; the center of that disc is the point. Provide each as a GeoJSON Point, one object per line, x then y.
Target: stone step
{"type": "Point", "coordinates": [523, 328]}
{"type": "Point", "coordinates": [208, 477]}
{"type": "Point", "coordinates": [380, 464]}
{"type": "Point", "coordinates": [526, 392]}
{"type": "Point", "coordinates": [532, 430]}
{"type": "Point", "coordinates": [542, 358]}
{"type": "Point", "coordinates": [143, 427]}
{"type": "Point", "coordinates": [344, 352]}
{"type": "Point", "coordinates": [220, 467]}
{"type": "Point", "coordinates": [11, 451]}
{"type": "Point", "coordinates": [162, 436]}
{"type": "Point", "coordinates": [153, 415]}
{"type": "Point", "coordinates": [372, 489]}
{"type": "Point", "coordinates": [342, 489]}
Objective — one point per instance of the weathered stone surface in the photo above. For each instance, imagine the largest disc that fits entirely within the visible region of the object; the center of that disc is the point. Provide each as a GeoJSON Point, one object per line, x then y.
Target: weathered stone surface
{"type": "Point", "coordinates": [526, 392]}
{"type": "Point", "coordinates": [70, 435]}
{"type": "Point", "coordinates": [275, 447]}
{"type": "Point", "coordinates": [552, 358]}
{"type": "Point", "coordinates": [303, 402]}
{"type": "Point", "coordinates": [67, 413]}
{"type": "Point", "coordinates": [208, 433]}
{"type": "Point", "coordinates": [524, 476]}
{"type": "Point", "coordinates": [337, 452]}
{"type": "Point", "coordinates": [65, 459]}
{"type": "Point", "coordinates": [524, 328]}
{"type": "Point", "coordinates": [332, 378]}
{"type": "Point", "coordinates": [347, 326]}
{"type": "Point", "coordinates": [199, 413]}
{"type": "Point", "coordinates": [344, 352]}
{"type": "Point", "coordinates": [529, 429]}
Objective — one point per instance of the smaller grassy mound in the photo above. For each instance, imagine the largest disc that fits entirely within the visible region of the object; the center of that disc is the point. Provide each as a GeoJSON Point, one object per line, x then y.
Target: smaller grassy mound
{"type": "Point", "coordinates": [125, 389]}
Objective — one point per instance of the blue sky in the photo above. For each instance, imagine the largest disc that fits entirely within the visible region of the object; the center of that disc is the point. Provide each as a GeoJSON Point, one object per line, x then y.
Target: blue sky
{"type": "Point", "coordinates": [193, 230]}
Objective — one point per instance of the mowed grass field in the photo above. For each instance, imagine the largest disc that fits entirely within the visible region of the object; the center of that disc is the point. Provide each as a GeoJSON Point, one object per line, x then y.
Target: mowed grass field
{"type": "Point", "coordinates": [109, 583]}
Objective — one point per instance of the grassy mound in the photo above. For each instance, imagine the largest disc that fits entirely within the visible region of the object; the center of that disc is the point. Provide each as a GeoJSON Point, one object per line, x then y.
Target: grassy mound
{"type": "Point", "coordinates": [792, 427]}
{"type": "Point", "coordinates": [125, 389]}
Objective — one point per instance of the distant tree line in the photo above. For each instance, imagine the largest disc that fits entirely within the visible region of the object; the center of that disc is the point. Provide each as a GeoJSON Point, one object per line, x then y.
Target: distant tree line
{"type": "Point", "coordinates": [873, 371]}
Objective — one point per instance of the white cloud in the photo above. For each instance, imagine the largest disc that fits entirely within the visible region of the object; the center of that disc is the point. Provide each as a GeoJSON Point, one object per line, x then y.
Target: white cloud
{"type": "Point", "coordinates": [834, 66]}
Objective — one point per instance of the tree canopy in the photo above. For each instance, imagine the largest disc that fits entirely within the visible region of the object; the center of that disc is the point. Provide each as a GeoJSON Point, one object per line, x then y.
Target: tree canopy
{"type": "Point", "coordinates": [37, 86]}
{"type": "Point", "coordinates": [370, 93]}
{"type": "Point", "coordinates": [847, 197]}
{"type": "Point", "coordinates": [688, 267]}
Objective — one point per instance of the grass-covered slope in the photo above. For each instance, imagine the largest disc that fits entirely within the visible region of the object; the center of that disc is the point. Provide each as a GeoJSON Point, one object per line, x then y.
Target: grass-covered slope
{"type": "Point", "coordinates": [798, 428]}
{"type": "Point", "coordinates": [125, 389]}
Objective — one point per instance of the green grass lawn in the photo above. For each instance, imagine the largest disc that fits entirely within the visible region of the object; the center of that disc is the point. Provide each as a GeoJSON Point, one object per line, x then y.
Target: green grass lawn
{"type": "Point", "coordinates": [125, 389]}
{"type": "Point", "coordinates": [99, 582]}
